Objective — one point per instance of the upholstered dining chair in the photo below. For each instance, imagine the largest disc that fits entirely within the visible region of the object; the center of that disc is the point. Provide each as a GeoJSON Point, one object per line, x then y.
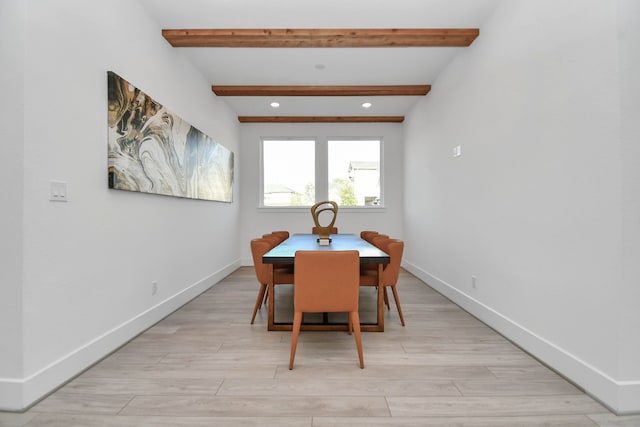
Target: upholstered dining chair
{"type": "Point", "coordinates": [390, 272]}
{"type": "Point", "coordinates": [273, 239]}
{"type": "Point", "coordinates": [334, 230]}
{"type": "Point", "coordinates": [367, 234]}
{"type": "Point", "coordinates": [281, 274]}
{"type": "Point", "coordinates": [374, 240]}
{"type": "Point", "coordinates": [380, 241]}
{"type": "Point", "coordinates": [326, 281]}
{"type": "Point", "coordinates": [282, 235]}
{"type": "Point", "coordinates": [277, 237]}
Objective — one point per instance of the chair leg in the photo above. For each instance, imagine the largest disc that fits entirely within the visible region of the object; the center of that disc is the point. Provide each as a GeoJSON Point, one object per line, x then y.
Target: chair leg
{"type": "Point", "coordinates": [297, 321]}
{"type": "Point", "coordinates": [397, 298]}
{"type": "Point", "coordinates": [261, 294]}
{"type": "Point", "coordinates": [266, 296]}
{"type": "Point", "coordinates": [355, 321]}
{"type": "Point", "coordinates": [386, 298]}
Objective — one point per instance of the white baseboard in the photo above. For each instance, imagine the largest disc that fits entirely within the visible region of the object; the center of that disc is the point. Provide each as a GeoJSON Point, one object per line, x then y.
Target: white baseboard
{"type": "Point", "coordinates": [19, 394]}
{"type": "Point", "coordinates": [621, 397]}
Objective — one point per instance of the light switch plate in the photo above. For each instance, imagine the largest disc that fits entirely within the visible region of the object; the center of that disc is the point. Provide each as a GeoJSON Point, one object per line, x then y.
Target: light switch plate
{"type": "Point", "coordinates": [57, 191]}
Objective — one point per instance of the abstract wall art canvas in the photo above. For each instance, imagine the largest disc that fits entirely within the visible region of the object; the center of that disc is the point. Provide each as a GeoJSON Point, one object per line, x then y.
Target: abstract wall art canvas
{"type": "Point", "coordinates": [152, 150]}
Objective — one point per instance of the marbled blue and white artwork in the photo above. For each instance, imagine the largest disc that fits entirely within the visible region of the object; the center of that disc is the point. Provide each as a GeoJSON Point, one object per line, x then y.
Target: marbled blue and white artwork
{"type": "Point", "coordinates": [152, 150]}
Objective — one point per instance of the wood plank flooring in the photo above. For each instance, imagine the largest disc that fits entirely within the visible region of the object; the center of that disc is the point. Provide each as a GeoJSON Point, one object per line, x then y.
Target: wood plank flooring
{"type": "Point", "coordinates": [205, 365]}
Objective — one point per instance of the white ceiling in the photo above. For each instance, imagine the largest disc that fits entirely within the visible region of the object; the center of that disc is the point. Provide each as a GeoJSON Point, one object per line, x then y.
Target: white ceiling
{"type": "Point", "coordinates": [320, 66]}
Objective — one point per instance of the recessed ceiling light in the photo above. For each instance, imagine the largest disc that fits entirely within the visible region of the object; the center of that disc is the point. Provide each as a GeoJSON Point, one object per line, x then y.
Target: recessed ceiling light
{"type": "Point", "coordinates": [366, 105]}
{"type": "Point", "coordinates": [275, 104]}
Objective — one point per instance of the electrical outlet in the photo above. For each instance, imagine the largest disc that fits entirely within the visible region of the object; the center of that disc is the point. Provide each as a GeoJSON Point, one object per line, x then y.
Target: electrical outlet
{"type": "Point", "coordinates": [154, 287]}
{"type": "Point", "coordinates": [474, 285]}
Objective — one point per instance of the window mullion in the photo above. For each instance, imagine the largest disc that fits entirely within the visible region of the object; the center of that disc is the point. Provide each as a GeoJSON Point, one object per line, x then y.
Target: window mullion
{"type": "Point", "coordinates": [322, 174]}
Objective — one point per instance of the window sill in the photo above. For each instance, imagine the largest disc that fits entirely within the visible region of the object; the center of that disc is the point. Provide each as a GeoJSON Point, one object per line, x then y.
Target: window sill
{"type": "Point", "coordinates": [307, 209]}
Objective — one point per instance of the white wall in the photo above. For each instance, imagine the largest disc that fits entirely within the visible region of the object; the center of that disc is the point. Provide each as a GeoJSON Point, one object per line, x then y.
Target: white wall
{"type": "Point", "coordinates": [629, 41]}
{"type": "Point", "coordinates": [534, 206]}
{"type": "Point", "coordinates": [88, 264]}
{"type": "Point", "coordinates": [11, 175]}
{"type": "Point", "coordinates": [256, 222]}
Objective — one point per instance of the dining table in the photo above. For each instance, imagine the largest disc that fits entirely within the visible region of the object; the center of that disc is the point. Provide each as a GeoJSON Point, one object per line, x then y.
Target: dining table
{"type": "Point", "coordinates": [284, 254]}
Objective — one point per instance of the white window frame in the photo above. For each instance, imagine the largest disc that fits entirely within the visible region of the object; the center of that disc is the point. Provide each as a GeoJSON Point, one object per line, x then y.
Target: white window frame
{"type": "Point", "coordinates": [261, 204]}
{"type": "Point", "coordinates": [381, 168]}
{"type": "Point", "coordinates": [321, 172]}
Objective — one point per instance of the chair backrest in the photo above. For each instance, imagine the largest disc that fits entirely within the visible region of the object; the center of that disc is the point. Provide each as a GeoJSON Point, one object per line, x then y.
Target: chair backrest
{"type": "Point", "coordinates": [273, 239]}
{"type": "Point", "coordinates": [259, 247]}
{"type": "Point", "coordinates": [334, 230]}
{"type": "Point", "coordinates": [281, 234]}
{"type": "Point", "coordinates": [394, 248]}
{"type": "Point", "coordinates": [326, 281]}
{"type": "Point", "coordinates": [375, 240]}
{"type": "Point", "coordinates": [367, 234]}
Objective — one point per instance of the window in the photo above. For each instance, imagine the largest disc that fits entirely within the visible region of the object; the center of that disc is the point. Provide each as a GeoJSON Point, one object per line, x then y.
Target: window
{"type": "Point", "coordinates": [354, 172]}
{"type": "Point", "coordinates": [288, 172]}
{"type": "Point", "coordinates": [300, 172]}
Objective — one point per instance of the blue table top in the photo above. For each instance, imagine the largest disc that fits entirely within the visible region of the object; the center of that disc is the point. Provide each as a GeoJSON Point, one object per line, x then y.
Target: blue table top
{"type": "Point", "coordinates": [285, 252]}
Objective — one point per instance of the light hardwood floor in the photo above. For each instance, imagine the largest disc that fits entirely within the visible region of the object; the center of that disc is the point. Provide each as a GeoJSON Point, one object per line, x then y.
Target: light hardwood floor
{"type": "Point", "coordinates": [204, 365]}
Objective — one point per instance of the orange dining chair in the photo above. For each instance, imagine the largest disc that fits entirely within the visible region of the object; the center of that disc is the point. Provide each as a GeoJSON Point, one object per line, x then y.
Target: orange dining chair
{"type": "Point", "coordinates": [276, 237]}
{"type": "Point", "coordinates": [273, 239]}
{"type": "Point", "coordinates": [390, 272]}
{"type": "Point", "coordinates": [281, 274]}
{"type": "Point", "coordinates": [282, 235]}
{"type": "Point", "coordinates": [334, 230]}
{"type": "Point", "coordinates": [380, 241]}
{"type": "Point", "coordinates": [378, 238]}
{"type": "Point", "coordinates": [326, 282]}
{"type": "Point", "coordinates": [375, 240]}
{"type": "Point", "coordinates": [367, 234]}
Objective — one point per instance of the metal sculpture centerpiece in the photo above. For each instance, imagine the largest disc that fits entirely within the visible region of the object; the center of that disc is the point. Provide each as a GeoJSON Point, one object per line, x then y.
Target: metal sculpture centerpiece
{"type": "Point", "coordinates": [324, 232]}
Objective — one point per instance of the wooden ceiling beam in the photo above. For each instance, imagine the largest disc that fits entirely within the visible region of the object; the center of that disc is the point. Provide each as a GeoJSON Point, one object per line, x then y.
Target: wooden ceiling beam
{"type": "Point", "coordinates": [312, 37]}
{"type": "Point", "coordinates": [389, 90]}
{"type": "Point", "coordinates": [320, 119]}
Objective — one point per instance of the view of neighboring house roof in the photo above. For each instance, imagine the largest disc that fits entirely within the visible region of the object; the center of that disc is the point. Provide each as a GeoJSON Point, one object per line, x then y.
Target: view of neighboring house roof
{"type": "Point", "coordinates": [277, 188]}
{"type": "Point", "coordinates": [359, 165]}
